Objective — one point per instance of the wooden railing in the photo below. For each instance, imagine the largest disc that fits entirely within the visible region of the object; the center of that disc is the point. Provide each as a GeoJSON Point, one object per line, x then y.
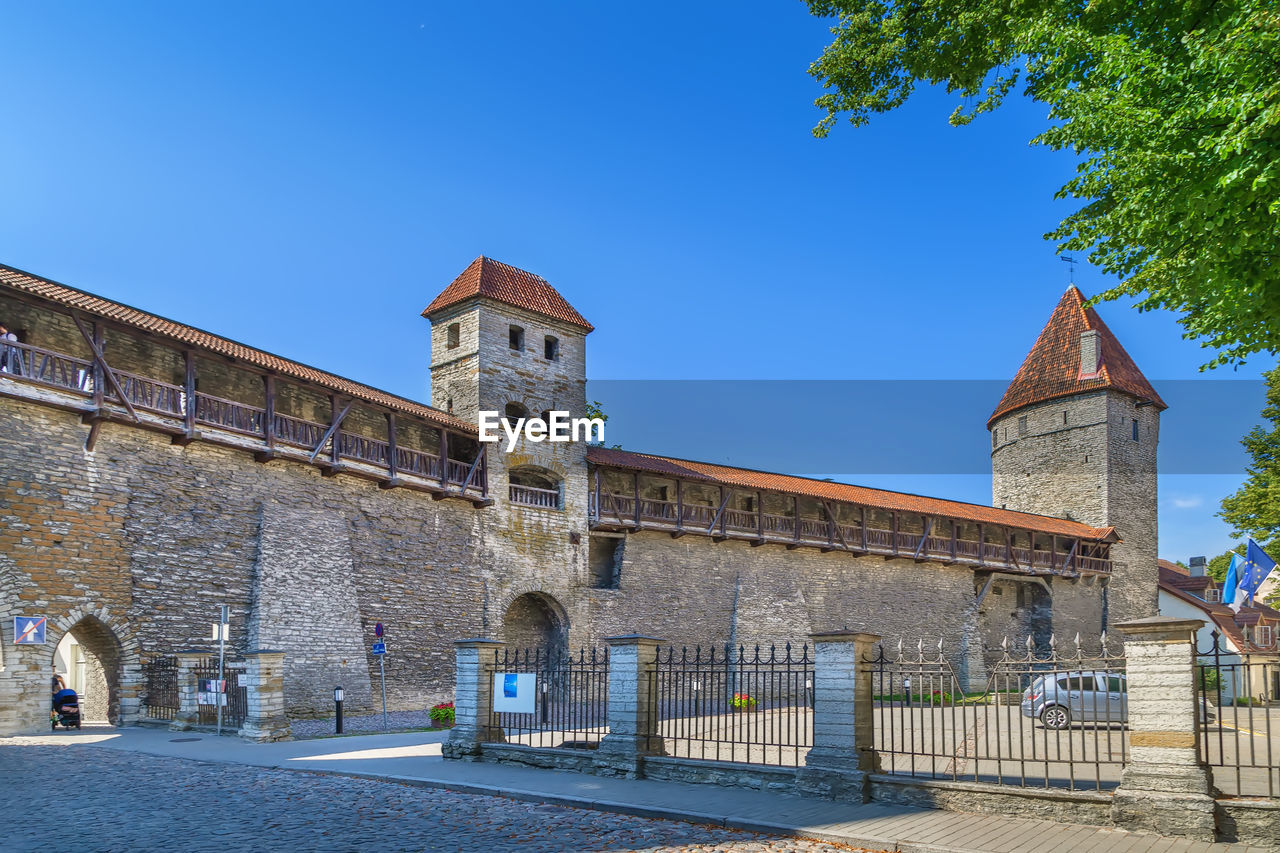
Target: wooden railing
{"type": "Point", "coordinates": [230, 415]}
{"type": "Point", "coordinates": [151, 394]}
{"type": "Point", "coordinates": [46, 367]}
{"type": "Point", "coordinates": [32, 364]}
{"type": "Point", "coordinates": [299, 433]}
{"type": "Point", "coordinates": [533, 496]}
{"type": "Point", "coordinates": [618, 510]}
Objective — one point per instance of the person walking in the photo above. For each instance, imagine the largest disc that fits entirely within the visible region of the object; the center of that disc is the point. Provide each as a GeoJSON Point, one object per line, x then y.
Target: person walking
{"type": "Point", "coordinates": [10, 357]}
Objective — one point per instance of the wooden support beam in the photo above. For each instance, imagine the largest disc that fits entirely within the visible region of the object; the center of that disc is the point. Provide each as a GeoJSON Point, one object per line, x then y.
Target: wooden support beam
{"type": "Point", "coordinates": [268, 419]}
{"type": "Point", "coordinates": [982, 544]}
{"type": "Point", "coordinates": [835, 526]}
{"type": "Point", "coordinates": [893, 514]}
{"type": "Point", "coordinates": [1070, 559]}
{"type": "Point", "coordinates": [92, 439]}
{"type": "Point", "coordinates": [724, 501]}
{"type": "Point", "coordinates": [635, 508]}
{"type": "Point", "coordinates": [331, 433]}
{"type": "Point", "coordinates": [471, 472]}
{"type": "Point", "coordinates": [94, 340]}
{"type": "Point", "coordinates": [595, 474]}
{"type": "Point", "coordinates": [795, 521]}
{"type": "Point", "coordinates": [864, 529]}
{"type": "Point", "coordinates": [924, 541]}
{"type": "Point", "coordinates": [955, 536]}
{"type": "Point", "coordinates": [759, 517]}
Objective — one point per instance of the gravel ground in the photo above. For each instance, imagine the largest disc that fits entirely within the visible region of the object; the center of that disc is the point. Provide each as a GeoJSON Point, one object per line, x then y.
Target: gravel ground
{"type": "Point", "coordinates": [91, 799]}
{"type": "Point", "coordinates": [397, 721]}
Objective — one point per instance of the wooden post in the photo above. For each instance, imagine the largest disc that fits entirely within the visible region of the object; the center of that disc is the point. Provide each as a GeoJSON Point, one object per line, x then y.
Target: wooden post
{"type": "Point", "coordinates": [636, 497]}
{"type": "Point", "coordinates": [760, 515]}
{"type": "Point", "coordinates": [795, 517]}
{"type": "Point", "coordinates": [596, 476]}
{"type": "Point", "coordinates": [393, 464]}
{"type": "Point", "coordinates": [269, 428]}
{"type": "Point", "coordinates": [189, 358]}
{"type": "Point", "coordinates": [864, 529]}
{"type": "Point", "coordinates": [982, 544]}
{"type": "Point", "coordinates": [893, 515]}
{"type": "Point", "coordinates": [99, 375]}
{"type": "Point", "coordinates": [680, 505]}
{"type": "Point", "coordinates": [954, 540]}
{"type": "Point", "coordinates": [444, 458]}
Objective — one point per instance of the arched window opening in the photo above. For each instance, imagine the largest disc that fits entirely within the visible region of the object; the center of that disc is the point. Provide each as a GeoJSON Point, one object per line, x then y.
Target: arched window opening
{"type": "Point", "coordinates": [514, 413]}
{"type": "Point", "coordinates": [537, 487]}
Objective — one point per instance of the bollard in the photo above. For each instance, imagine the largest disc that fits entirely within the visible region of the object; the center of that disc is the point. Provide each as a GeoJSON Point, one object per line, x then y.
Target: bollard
{"type": "Point", "coordinates": [337, 708]}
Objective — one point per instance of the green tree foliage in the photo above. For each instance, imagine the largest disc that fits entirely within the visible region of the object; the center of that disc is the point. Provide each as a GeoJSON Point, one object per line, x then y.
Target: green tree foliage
{"type": "Point", "coordinates": [1254, 510]}
{"type": "Point", "coordinates": [1171, 106]}
{"type": "Point", "coordinates": [1217, 568]}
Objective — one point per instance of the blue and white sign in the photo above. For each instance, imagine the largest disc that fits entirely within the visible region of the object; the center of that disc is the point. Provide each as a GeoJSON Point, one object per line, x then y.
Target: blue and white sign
{"type": "Point", "coordinates": [514, 692]}
{"type": "Point", "coordinates": [29, 630]}
{"type": "Point", "coordinates": [379, 648]}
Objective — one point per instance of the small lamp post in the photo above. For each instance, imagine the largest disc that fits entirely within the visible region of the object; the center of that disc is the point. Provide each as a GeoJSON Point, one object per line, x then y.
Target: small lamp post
{"type": "Point", "coordinates": [337, 708]}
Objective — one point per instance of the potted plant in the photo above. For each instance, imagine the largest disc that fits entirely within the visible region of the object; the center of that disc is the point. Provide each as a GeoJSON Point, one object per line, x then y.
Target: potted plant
{"type": "Point", "coordinates": [442, 715]}
{"type": "Point", "coordinates": [743, 702]}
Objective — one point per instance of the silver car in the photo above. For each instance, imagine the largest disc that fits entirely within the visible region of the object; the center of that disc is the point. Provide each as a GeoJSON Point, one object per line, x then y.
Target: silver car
{"type": "Point", "coordinates": [1058, 699]}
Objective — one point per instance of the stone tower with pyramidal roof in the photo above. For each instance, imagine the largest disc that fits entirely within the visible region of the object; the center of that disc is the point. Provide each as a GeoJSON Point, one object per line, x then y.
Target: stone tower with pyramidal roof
{"type": "Point", "coordinates": [1075, 436]}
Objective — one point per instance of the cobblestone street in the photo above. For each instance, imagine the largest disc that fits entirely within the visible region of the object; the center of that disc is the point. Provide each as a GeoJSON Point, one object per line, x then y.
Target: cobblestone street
{"type": "Point", "coordinates": [84, 798]}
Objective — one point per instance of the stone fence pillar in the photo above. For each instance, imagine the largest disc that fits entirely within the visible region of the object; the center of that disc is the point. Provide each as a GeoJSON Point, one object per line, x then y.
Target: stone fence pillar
{"type": "Point", "coordinates": [472, 700]}
{"type": "Point", "coordinates": [842, 754]}
{"type": "Point", "coordinates": [188, 714]}
{"type": "Point", "coordinates": [263, 678]}
{"type": "Point", "coordinates": [633, 717]}
{"type": "Point", "coordinates": [1164, 788]}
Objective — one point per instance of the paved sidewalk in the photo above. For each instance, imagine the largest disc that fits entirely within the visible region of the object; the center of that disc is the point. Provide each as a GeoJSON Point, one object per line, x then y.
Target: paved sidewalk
{"type": "Point", "coordinates": [414, 759]}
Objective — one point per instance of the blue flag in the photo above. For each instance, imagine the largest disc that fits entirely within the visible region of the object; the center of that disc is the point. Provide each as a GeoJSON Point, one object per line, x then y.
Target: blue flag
{"type": "Point", "coordinates": [1233, 579]}
{"type": "Point", "coordinates": [1257, 565]}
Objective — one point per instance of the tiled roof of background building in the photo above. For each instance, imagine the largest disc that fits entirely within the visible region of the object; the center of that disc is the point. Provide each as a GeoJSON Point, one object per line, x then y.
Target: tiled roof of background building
{"type": "Point", "coordinates": [826, 490]}
{"type": "Point", "coordinates": [511, 285]}
{"type": "Point", "coordinates": [90, 304]}
{"type": "Point", "coordinates": [1052, 368]}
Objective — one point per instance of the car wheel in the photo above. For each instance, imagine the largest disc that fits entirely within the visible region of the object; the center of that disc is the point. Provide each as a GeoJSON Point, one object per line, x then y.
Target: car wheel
{"type": "Point", "coordinates": [1055, 717]}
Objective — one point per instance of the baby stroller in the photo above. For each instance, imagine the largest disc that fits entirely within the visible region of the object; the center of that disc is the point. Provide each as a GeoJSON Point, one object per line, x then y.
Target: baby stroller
{"type": "Point", "coordinates": [66, 710]}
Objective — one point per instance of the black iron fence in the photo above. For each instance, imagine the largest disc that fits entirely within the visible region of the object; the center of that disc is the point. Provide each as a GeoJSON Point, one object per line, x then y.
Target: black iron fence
{"type": "Point", "coordinates": [1239, 698]}
{"type": "Point", "coordinates": [555, 698]}
{"type": "Point", "coordinates": [161, 699]}
{"type": "Point", "coordinates": [1042, 718]}
{"type": "Point", "coordinates": [237, 697]}
{"type": "Point", "coordinates": [727, 704]}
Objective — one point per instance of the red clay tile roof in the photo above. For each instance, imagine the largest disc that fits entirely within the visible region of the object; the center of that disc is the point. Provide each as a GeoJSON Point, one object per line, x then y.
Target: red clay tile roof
{"type": "Point", "coordinates": [1175, 575]}
{"type": "Point", "coordinates": [505, 283]}
{"type": "Point", "coordinates": [1052, 368]}
{"type": "Point", "coordinates": [88, 303]}
{"type": "Point", "coordinates": [824, 489]}
{"type": "Point", "coordinates": [1228, 622]}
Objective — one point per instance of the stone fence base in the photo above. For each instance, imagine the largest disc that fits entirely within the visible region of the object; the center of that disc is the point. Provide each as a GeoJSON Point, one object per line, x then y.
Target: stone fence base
{"type": "Point", "coordinates": [1245, 821]}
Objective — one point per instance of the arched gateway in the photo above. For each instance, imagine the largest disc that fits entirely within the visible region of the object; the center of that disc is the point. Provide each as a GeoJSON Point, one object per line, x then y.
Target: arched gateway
{"type": "Point", "coordinates": [536, 620]}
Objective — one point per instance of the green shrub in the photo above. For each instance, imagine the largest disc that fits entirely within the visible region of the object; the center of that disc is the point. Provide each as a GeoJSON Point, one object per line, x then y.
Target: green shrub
{"type": "Point", "coordinates": [442, 714]}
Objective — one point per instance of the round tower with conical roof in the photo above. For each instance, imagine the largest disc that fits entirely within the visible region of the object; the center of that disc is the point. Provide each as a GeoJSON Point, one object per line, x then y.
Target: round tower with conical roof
{"type": "Point", "coordinates": [1075, 436]}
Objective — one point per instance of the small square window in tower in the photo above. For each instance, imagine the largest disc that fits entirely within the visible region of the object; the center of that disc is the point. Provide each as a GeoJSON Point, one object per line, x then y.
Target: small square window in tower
{"type": "Point", "coordinates": [455, 335]}
{"type": "Point", "coordinates": [551, 348]}
{"type": "Point", "coordinates": [515, 338]}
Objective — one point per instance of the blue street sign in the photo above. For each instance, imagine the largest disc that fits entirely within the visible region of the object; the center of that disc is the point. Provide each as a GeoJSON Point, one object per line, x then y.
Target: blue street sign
{"type": "Point", "coordinates": [379, 648]}
{"type": "Point", "coordinates": [29, 630]}
{"type": "Point", "coordinates": [377, 630]}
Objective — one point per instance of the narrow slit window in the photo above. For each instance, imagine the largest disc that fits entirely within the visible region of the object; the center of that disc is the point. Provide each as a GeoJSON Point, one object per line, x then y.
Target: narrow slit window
{"type": "Point", "coordinates": [515, 337]}
{"type": "Point", "coordinates": [1135, 429]}
{"type": "Point", "coordinates": [551, 348]}
{"type": "Point", "coordinates": [455, 335]}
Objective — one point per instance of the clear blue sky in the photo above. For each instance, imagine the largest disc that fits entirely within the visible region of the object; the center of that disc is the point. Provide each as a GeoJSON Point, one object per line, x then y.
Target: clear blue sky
{"type": "Point", "coordinates": [305, 177]}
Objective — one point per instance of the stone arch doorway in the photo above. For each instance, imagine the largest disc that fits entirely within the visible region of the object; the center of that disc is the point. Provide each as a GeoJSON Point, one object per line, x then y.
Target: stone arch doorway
{"type": "Point", "coordinates": [90, 658]}
{"type": "Point", "coordinates": [536, 620]}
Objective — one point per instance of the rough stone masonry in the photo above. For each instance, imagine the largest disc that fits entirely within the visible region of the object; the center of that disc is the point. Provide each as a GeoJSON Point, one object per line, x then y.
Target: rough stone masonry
{"type": "Point", "coordinates": [150, 472]}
